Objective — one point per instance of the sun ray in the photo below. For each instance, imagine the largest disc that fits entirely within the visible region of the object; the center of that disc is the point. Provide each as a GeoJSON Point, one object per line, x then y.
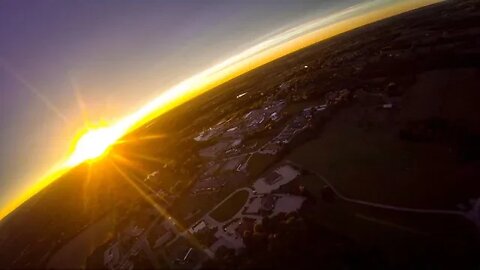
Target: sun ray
{"type": "Point", "coordinates": [33, 90]}
{"type": "Point", "coordinates": [80, 101]}
{"type": "Point", "coordinates": [150, 158]}
{"type": "Point", "coordinates": [161, 211]}
{"type": "Point", "coordinates": [94, 142]}
{"type": "Point", "coordinates": [143, 138]}
{"type": "Point", "coordinates": [131, 165]}
{"type": "Point", "coordinates": [141, 192]}
{"type": "Point", "coordinates": [85, 197]}
{"type": "Point", "coordinates": [127, 162]}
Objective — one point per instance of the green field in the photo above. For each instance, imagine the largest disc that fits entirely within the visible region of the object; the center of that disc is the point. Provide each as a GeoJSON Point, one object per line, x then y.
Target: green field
{"type": "Point", "coordinates": [374, 164]}
{"type": "Point", "coordinates": [379, 227]}
{"type": "Point", "coordinates": [230, 207]}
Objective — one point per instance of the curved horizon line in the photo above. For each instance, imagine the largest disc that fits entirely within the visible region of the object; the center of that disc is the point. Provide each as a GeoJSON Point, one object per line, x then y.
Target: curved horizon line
{"type": "Point", "coordinates": [278, 46]}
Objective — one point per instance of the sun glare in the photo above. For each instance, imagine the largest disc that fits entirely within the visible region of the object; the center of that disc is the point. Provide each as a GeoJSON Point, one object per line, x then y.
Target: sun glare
{"type": "Point", "coordinates": [93, 144]}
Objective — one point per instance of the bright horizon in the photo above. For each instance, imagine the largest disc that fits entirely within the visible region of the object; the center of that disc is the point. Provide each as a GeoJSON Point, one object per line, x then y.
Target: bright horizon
{"type": "Point", "coordinates": [281, 44]}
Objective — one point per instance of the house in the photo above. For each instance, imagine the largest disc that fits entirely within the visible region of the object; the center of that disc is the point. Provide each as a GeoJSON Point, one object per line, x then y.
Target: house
{"type": "Point", "coordinates": [275, 179]}
{"type": "Point", "coordinates": [214, 150]}
{"type": "Point", "coordinates": [209, 184]}
{"type": "Point", "coordinates": [254, 118]}
{"type": "Point", "coordinates": [162, 240]}
{"type": "Point", "coordinates": [244, 226]}
{"type": "Point", "coordinates": [111, 256]}
{"type": "Point", "coordinates": [199, 226]}
{"type": "Point", "coordinates": [270, 149]}
{"type": "Point", "coordinates": [211, 132]}
{"type": "Point", "coordinates": [272, 178]}
{"type": "Point", "coordinates": [159, 235]}
{"type": "Point", "coordinates": [134, 230]}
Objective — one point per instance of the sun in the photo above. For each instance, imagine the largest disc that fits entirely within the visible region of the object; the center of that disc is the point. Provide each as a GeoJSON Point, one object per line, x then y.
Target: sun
{"type": "Point", "coordinates": [93, 144]}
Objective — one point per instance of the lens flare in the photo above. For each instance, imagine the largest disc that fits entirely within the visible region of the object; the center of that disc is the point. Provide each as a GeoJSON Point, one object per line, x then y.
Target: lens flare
{"type": "Point", "coordinates": [94, 143]}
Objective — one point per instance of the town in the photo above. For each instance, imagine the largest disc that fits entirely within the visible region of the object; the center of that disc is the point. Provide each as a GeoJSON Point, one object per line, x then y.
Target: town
{"type": "Point", "coordinates": [227, 158]}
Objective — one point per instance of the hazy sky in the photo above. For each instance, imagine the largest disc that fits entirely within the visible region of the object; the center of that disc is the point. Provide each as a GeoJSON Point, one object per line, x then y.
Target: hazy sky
{"type": "Point", "coordinates": [113, 56]}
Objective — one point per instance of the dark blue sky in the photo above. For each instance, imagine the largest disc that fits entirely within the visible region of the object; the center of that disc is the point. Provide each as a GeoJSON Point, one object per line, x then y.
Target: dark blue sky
{"type": "Point", "coordinates": [115, 55]}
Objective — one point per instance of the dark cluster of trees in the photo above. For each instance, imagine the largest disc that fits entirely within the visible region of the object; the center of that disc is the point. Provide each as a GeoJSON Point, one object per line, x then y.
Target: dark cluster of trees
{"type": "Point", "coordinates": [292, 241]}
{"type": "Point", "coordinates": [440, 130]}
{"type": "Point", "coordinates": [206, 236]}
{"type": "Point", "coordinates": [299, 241]}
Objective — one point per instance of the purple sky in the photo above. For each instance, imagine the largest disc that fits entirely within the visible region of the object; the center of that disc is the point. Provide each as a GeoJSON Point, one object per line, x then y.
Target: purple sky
{"type": "Point", "coordinates": [116, 55]}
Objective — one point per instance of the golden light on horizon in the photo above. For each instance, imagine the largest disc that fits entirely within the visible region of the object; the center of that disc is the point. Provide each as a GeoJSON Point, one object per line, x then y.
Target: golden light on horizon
{"type": "Point", "coordinates": [95, 142]}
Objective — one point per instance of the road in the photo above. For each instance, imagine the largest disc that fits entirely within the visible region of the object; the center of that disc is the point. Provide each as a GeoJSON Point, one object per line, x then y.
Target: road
{"type": "Point", "coordinates": [224, 239]}
{"type": "Point", "coordinates": [212, 221]}
{"type": "Point", "coordinates": [380, 205]}
{"type": "Point", "coordinates": [142, 243]}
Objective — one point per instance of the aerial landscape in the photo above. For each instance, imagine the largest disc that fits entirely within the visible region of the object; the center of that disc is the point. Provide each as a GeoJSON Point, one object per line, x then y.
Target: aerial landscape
{"type": "Point", "coordinates": [361, 151]}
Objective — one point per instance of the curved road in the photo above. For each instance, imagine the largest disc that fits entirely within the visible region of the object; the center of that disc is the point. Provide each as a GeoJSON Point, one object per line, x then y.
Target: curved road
{"type": "Point", "coordinates": [380, 205]}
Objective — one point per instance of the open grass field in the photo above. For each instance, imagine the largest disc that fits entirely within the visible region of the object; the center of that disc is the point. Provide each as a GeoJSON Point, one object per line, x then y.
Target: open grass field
{"type": "Point", "coordinates": [386, 229]}
{"type": "Point", "coordinates": [362, 153]}
{"type": "Point", "coordinates": [230, 207]}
